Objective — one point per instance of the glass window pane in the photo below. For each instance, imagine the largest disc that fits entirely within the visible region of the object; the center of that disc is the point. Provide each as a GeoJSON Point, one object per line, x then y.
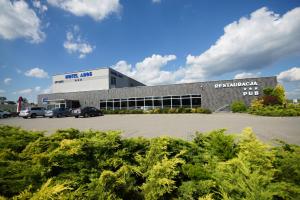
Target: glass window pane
{"type": "Point", "coordinates": [167, 103]}
{"type": "Point", "coordinates": [103, 105]}
{"type": "Point", "coordinates": [117, 105]}
{"type": "Point", "coordinates": [157, 103]}
{"type": "Point", "coordinates": [196, 102]}
{"type": "Point", "coordinates": [186, 102]}
{"type": "Point", "coordinates": [175, 102]}
{"type": "Point", "coordinates": [109, 105]}
{"type": "Point", "coordinates": [185, 96]}
{"type": "Point", "coordinates": [124, 104]}
{"type": "Point", "coordinates": [131, 104]}
{"type": "Point", "coordinates": [148, 103]}
{"type": "Point", "coordinates": [140, 103]}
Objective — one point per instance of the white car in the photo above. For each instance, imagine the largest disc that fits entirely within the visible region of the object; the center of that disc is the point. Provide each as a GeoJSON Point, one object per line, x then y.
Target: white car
{"type": "Point", "coordinates": [4, 114]}
{"type": "Point", "coordinates": [32, 112]}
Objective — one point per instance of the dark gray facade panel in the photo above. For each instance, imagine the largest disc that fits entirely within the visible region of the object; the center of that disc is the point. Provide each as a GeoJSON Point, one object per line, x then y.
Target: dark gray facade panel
{"type": "Point", "coordinates": [212, 98]}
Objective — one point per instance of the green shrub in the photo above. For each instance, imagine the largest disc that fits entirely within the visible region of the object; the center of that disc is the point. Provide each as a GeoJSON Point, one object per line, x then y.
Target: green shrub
{"type": "Point", "coordinates": [73, 164]}
{"type": "Point", "coordinates": [238, 106]}
{"type": "Point", "coordinates": [268, 91]}
{"type": "Point", "coordinates": [276, 111]}
{"type": "Point", "coordinates": [160, 111]}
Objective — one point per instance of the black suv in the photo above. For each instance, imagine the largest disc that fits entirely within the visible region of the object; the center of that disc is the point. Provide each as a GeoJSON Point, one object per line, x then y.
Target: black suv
{"type": "Point", "coordinates": [87, 112]}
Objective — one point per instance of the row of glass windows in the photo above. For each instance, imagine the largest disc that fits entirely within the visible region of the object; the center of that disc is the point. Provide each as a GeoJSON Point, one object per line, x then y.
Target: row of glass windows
{"type": "Point", "coordinates": [190, 101]}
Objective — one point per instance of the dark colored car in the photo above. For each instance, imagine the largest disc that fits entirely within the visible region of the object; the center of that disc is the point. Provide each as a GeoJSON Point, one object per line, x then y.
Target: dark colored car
{"type": "Point", "coordinates": [87, 112]}
{"type": "Point", "coordinates": [58, 112]}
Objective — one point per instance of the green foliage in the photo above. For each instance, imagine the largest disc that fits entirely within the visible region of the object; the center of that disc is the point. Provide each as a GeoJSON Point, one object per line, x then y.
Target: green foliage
{"type": "Point", "coordinates": [268, 91]}
{"type": "Point", "coordinates": [279, 93]}
{"type": "Point", "coordinates": [238, 106]}
{"type": "Point", "coordinates": [73, 164]}
{"type": "Point", "coordinates": [276, 111]}
{"type": "Point", "coordinates": [274, 103]}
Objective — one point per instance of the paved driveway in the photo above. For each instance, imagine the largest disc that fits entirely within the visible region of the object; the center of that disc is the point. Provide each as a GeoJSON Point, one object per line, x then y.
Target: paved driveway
{"type": "Point", "coordinates": [177, 125]}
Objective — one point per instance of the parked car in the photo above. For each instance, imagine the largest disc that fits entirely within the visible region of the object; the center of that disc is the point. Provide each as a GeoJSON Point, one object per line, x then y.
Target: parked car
{"type": "Point", "coordinates": [86, 112]}
{"type": "Point", "coordinates": [32, 112]}
{"type": "Point", "coordinates": [58, 112]}
{"type": "Point", "coordinates": [4, 114]}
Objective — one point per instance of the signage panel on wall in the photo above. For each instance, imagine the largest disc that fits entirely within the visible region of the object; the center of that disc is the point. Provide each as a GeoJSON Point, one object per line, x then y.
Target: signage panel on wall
{"type": "Point", "coordinates": [250, 88]}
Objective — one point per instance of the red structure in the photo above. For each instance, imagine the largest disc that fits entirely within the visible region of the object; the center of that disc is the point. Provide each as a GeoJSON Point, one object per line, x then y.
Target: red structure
{"type": "Point", "coordinates": [20, 100]}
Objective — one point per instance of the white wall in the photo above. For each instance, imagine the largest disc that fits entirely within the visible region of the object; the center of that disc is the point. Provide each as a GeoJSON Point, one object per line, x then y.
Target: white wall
{"type": "Point", "coordinates": [99, 80]}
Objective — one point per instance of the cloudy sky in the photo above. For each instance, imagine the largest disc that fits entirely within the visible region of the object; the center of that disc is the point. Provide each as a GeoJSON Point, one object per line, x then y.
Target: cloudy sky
{"type": "Point", "coordinates": [154, 41]}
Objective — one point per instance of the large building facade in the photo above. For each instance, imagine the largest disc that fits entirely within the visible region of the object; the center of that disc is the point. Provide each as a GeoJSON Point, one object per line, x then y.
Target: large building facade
{"type": "Point", "coordinates": [108, 89]}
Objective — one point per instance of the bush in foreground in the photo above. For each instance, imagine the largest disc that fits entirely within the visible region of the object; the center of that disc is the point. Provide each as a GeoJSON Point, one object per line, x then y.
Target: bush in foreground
{"type": "Point", "coordinates": [72, 164]}
{"type": "Point", "coordinates": [238, 106]}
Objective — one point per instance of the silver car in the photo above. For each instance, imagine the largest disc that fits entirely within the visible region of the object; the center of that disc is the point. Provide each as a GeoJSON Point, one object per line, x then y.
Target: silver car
{"type": "Point", "coordinates": [58, 112]}
{"type": "Point", "coordinates": [4, 114]}
{"type": "Point", "coordinates": [32, 112]}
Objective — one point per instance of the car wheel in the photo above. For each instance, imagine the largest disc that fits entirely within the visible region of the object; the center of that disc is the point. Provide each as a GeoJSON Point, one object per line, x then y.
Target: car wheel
{"type": "Point", "coordinates": [5, 116]}
{"type": "Point", "coordinates": [33, 115]}
{"type": "Point", "coordinates": [76, 116]}
{"type": "Point", "coordinates": [50, 117]}
{"type": "Point", "coordinates": [58, 115]}
{"type": "Point", "coordinates": [86, 115]}
{"type": "Point", "coordinates": [25, 117]}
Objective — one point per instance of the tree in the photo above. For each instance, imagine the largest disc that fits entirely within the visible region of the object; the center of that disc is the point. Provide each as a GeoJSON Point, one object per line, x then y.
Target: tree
{"type": "Point", "coordinates": [279, 93]}
{"type": "Point", "coordinates": [2, 100]}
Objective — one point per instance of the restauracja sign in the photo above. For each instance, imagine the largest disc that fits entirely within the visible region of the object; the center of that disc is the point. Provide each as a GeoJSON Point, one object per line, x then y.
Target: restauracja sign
{"type": "Point", "coordinates": [236, 84]}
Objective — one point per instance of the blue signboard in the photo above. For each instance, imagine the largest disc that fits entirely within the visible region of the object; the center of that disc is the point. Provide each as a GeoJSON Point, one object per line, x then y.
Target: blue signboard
{"type": "Point", "coordinates": [78, 75]}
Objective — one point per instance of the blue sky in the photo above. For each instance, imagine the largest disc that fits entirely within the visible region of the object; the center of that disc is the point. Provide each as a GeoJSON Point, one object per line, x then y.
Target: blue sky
{"type": "Point", "coordinates": [156, 42]}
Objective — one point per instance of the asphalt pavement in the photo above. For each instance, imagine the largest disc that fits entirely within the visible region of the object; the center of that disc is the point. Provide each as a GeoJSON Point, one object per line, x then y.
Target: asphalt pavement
{"type": "Point", "coordinates": [176, 125]}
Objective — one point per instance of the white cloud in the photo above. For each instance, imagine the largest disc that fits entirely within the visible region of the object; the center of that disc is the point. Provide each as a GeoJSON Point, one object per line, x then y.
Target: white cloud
{"type": "Point", "coordinates": [294, 93]}
{"type": "Point", "coordinates": [41, 7]}
{"type": "Point", "coordinates": [250, 43]}
{"type": "Point", "coordinates": [17, 20]}
{"type": "Point", "coordinates": [247, 75]}
{"type": "Point", "coordinates": [97, 9]}
{"type": "Point", "coordinates": [2, 91]}
{"type": "Point", "coordinates": [74, 44]}
{"type": "Point", "coordinates": [292, 74]}
{"type": "Point", "coordinates": [25, 91]}
{"type": "Point", "coordinates": [37, 88]}
{"type": "Point", "coordinates": [150, 70]}
{"type": "Point", "coordinates": [47, 90]}
{"type": "Point", "coordinates": [7, 81]}
{"type": "Point", "coordinates": [37, 73]}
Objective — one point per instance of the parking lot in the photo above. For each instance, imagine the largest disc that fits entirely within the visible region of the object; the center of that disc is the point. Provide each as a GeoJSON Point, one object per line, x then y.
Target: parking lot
{"type": "Point", "coordinates": [176, 125]}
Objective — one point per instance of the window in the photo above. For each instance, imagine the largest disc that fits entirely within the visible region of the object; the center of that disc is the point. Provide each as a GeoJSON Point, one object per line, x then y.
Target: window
{"type": "Point", "coordinates": [113, 80]}
{"type": "Point", "coordinates": [176, 103]}
{"type": "Point", "coordinates": [123, 103]}
{"type": "Point", "coordinates": [102, 104]}
{"type": "Point", "coordinates": [140, 102]}
{"type": "Point", "coordinates": [148, 102]}
{"type": "Point", "coordinates": [117, 104]}
{"type": "Point", "coordinates": [167, 101]}
{"type": "Point", "coordinates": [196, 102]}
{"type": "Point", "coordinates": [157, 102]}
{"type": "Point", "coordinates": [109, 105]}
{"type": "Point", "coordinates": [186, 102]}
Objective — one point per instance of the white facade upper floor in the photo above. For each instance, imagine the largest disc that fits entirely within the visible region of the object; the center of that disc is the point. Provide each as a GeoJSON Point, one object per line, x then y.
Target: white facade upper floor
{"type": "Point", "coordinates": [97, 79]}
